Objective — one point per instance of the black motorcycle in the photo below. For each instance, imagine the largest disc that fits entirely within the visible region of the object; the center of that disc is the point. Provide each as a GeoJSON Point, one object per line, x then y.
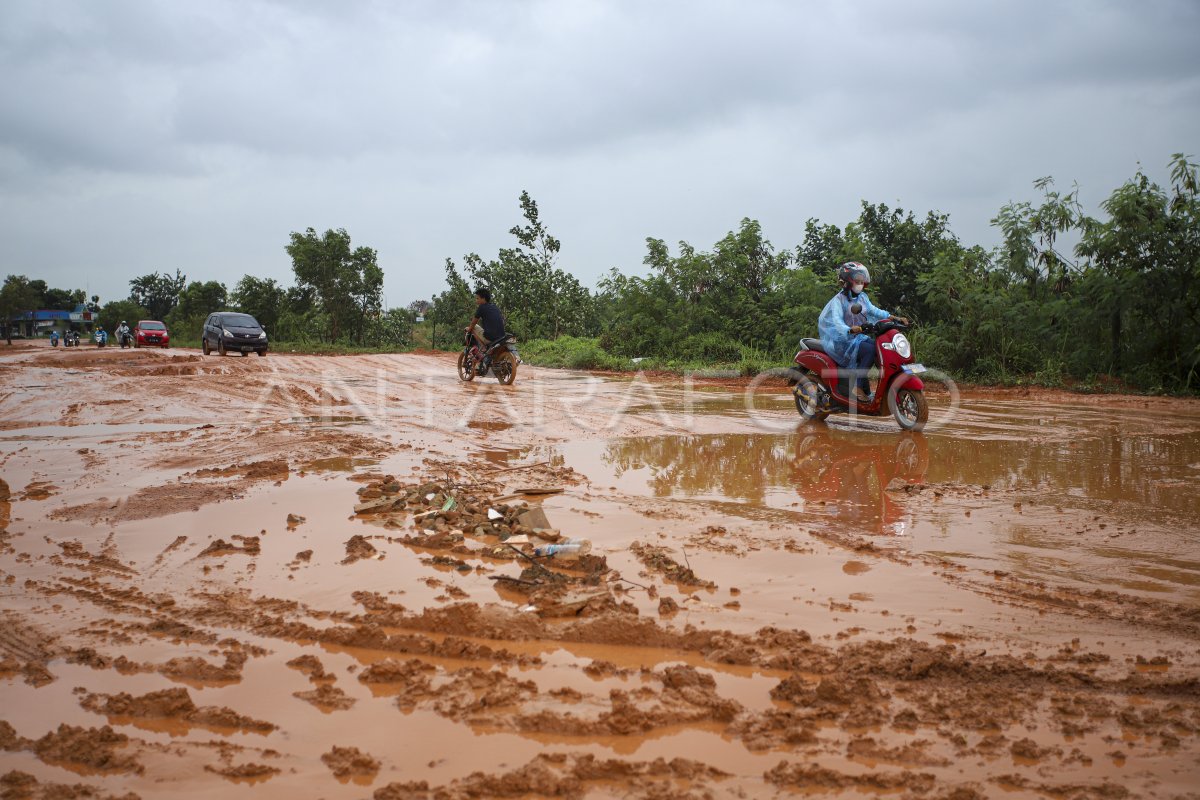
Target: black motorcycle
{"type": "Point", "coordinates": [500, 357]}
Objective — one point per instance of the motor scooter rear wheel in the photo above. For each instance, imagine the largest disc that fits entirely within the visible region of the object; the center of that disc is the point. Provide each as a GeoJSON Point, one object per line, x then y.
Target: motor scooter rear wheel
{"type": "Point", "coordinates": [910, 409]}
{"type": "Point", "coordinates": [807, 393]}
{"type": "Point", "coordinates": [504, 367]}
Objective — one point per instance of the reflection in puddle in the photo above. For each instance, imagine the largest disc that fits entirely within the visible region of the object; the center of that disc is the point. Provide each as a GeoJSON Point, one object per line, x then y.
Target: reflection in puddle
{"type": "Point", "coordinates": [835, 472]}
{"type": "Point", "coordinates": [1043, 490]}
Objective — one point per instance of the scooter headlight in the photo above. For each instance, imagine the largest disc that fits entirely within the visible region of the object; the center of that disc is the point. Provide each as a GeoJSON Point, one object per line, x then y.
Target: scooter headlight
{"type": "Point", "coordinates": [903, 348]}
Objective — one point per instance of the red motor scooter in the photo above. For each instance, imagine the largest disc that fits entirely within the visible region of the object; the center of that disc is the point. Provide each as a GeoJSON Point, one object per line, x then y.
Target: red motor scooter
{"type": "Point", "coordinates": [823, 388]}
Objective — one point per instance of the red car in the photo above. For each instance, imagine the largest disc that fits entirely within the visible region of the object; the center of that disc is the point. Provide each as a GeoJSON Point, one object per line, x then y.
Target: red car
{"type": "Point", "coordinates": [151, 333]}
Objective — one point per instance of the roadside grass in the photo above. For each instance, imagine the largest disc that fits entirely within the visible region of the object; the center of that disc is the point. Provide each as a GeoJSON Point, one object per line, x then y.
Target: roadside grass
{"type": "Point", "coordinates": [569, 352]}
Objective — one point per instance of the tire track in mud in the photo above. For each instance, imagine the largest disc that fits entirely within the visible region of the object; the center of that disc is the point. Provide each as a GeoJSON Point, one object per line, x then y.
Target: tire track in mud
{"type": "Point", "coordinates": [856, 686]}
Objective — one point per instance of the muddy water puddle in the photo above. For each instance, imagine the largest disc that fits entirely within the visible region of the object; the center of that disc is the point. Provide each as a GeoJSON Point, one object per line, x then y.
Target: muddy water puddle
{"type": "Point", "coordinates": [1085, 495]}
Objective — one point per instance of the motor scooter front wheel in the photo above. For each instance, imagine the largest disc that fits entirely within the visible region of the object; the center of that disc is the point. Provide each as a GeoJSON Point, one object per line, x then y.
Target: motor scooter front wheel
{"type": "Point", "coordinates": [808, 393]}
{"type": "Point", "coordinates": [466, 366]}
{"type": "Point", "coordinates": [910, 409]}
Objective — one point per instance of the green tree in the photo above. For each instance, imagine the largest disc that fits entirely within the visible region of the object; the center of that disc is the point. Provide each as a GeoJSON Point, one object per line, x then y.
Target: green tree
{"type": "Point", "coordinates": [56, 299]}
{"type": "Point", "coordinates": [538, 299]}
{"type": "Point", "coordinates": [897, 247]}
{"type": "Point", "coordinates": [262, 298]}
{"type": "Point", "coordinates": [300, 319]}
{"type": "Point", "coordinates": [196, 301]}
{"type": "Point", "coordinates": [821, 250]}
{"type": "Point", "coordinates": [1147, 256]}
{"type": "Point", "coordinates": [701, 305]}
{"type": "Point", "coordinates": [393, 328]}
{"type": "Point", "coordinates": [1029, 251]}
{"type": "Point", "coordinates": [450, 311]}
{"type": "Point", "coordinates": [39, 288]}
{"type": "Point", "coordinates": [16, 296]}
{"type": "Point", "coordinates": [156, 293]}
{"type": "Point", "coordinates": [62, 299]}
{"type": "Point", "coordinates": [113, 312]}
{"type": "Point", "coordinates": [347, 283]}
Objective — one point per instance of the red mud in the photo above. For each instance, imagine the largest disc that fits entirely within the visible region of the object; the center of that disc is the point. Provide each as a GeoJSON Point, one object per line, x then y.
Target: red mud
{"type": "Point", "coordinates": [318, 603]}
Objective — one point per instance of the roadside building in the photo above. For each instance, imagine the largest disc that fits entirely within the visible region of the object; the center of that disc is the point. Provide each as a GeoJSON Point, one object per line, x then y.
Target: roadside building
{"type": "Point", "coordinates": [39, 324]}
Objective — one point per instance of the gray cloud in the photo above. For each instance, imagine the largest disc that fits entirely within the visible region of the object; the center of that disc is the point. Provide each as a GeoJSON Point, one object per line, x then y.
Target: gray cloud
{"type": "Point", "coordinates": [141, 135]}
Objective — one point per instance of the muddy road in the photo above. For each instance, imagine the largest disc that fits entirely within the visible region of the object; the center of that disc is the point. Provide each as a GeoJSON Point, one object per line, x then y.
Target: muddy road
{"type": "Point", "coordinates": [314, 577]}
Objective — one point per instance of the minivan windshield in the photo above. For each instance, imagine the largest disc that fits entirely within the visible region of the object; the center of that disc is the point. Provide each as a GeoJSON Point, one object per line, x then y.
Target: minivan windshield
{"type": "Point", "coordinates": [239, 321]}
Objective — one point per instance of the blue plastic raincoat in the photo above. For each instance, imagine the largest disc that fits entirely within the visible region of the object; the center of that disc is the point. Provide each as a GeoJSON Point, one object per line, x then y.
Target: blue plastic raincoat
{"type": "Point", "coordinates": [836, 320]}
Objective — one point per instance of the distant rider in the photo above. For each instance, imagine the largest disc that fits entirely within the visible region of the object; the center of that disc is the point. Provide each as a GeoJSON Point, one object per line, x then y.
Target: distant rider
{"type": "Point", "coordinates": [488, 323]}
{"type": "Point", "coordinates": [122, 331]}
{"type": "Point", "coordinates": [841, 327]}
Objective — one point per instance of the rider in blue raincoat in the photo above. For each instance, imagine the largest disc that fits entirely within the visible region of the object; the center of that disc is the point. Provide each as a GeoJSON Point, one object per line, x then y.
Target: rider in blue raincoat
{"type": "Point", "coordinates": [841, 327]}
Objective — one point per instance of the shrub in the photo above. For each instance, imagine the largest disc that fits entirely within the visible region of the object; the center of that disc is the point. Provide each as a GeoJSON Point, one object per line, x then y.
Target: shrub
{"type": "Point", "coordinates": [712, 348]}
{"type": "Point", "coordinates": [570, 352]}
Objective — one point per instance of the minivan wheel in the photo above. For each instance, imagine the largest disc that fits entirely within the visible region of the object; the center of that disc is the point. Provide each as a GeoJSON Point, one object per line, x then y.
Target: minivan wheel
{"type": "Point", "coordinates": [204, 346]}
{"type": "Point", "coordinates": [220, 347]}
{"type": "Point", "coordinates": [262, 353]}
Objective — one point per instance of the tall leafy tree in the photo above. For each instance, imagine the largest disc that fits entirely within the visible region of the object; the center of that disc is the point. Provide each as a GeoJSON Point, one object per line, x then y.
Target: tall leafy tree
{"type": "Point", "coordinates": [197, 300]}
{"type": "Point", "coordinates": [897, 246]}
{"type": "Point", "coordinates": [157, 293]}
{"type": "Point", "coordinates": [1147, 254]}
{"type": "Point", "coordinates": [539, 300]}
{"type": "Point", "coordinates": [262, 298]}
{"type": "Point", "coordinates": [392, 328]}
{"type": "Point", "coordinates": [16, 296]}
{"type": "Point", "coordinates": [62, 299]}
{"type": "Point", "coordinates": [821, 250]}
{"type": "Point", "coordinates": [347, 283]}
{"type": "Point", "coordinates": [114, 312]}
{"type": "Point", "coordinates": [451, 310]}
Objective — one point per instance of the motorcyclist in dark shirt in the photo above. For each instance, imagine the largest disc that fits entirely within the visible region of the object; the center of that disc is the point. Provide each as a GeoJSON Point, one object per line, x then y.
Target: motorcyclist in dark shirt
{"type": "Point", "coordinates": [488, 323]}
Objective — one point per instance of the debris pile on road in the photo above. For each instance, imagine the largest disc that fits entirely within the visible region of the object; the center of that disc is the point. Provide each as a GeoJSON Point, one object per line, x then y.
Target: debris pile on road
{"type": "Point", "coordinates": [448, 513]}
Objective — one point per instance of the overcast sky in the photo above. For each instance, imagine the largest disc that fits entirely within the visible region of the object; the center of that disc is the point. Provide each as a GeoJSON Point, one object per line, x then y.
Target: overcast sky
{"type": "Point", "coordinates": [141, 136]}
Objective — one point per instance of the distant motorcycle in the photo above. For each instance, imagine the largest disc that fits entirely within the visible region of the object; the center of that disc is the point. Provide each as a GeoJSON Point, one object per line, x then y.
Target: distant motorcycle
{"type": "Point", "coordinates": [100, 337]}
{"type": "Point", "coordinates": [71, 339]}
{"type": "Point", "coordinates": [125, 338]}
{"type": "Point", "coordinates": [54, 338]}
{"type": "Point", "coordinates": [500, 357]}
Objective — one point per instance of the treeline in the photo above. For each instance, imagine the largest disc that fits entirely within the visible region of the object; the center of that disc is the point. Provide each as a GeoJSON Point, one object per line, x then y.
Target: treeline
{"type": "Point", "coordinates": [1122, 307]}
{"type": "Point", "coordinates": [336, 299]}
